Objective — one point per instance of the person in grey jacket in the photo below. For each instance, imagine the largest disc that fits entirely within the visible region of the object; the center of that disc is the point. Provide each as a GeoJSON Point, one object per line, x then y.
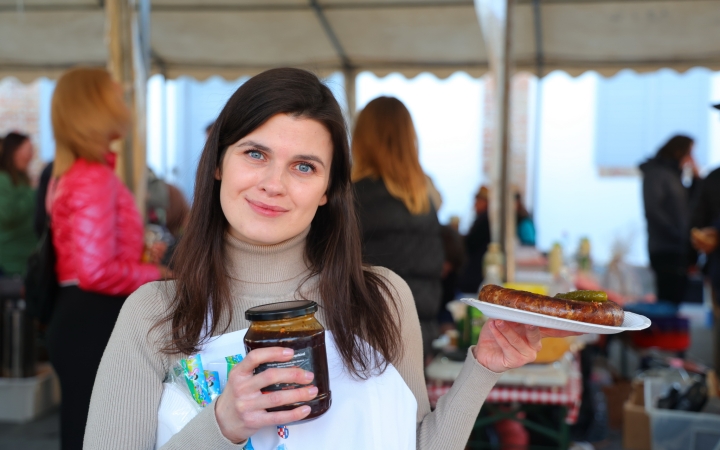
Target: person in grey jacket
{"type": "Point", "coordinates": [399, 224]}
{"type": "Point", "coordinates": [667, 210]}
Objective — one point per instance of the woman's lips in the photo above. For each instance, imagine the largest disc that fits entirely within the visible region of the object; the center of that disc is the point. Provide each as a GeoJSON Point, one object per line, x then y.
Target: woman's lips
{"type": "Point", "coordinates": [266, 210]}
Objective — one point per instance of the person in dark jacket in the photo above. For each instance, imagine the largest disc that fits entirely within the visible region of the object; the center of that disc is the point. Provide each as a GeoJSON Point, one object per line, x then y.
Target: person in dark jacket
{"type": "Point", "coordinates": [454, 260]}
{"type": "Point", "coordinates": [41, 215]}
{"type": "Point", "coordinates": [17, 204]}
{"type": "Point", "coordinates": [706, 216]}
{"type": "Point", "coordinates": [706, 209]}
{"type": "Point", "coordinates": [524, 223]}
{"type": "Point", "coordinates": [706, 229]}
{"type": "Point", "coordinates": [476, 244]}
{"type": "Point", "coordinates": [667, 210]}
{"type": "Point", "coordinates": [399, 224]}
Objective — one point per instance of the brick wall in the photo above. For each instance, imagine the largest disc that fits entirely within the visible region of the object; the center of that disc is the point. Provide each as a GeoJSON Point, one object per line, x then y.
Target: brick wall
{"type": "Point", "coordinates": [20, 112]}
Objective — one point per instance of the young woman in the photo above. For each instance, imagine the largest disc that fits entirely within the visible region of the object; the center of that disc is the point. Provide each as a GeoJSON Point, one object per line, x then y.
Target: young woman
{"type": "Point", "coordinates": [273, 220]}
{"type": "Point", "coordinates": [97, 233]}
{"type": "Point", "coordinates": [17, 204]}
{"type": "Point", "coordinates": [399, 224]}
{"type": "Point", "coordinates": [667, 210]}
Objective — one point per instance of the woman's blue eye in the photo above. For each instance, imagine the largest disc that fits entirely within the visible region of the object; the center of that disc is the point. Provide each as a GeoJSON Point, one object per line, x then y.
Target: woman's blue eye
{"type": "Point", "coordinates": [305, 168]}
{"type": "Point", "coordinates": [255, 154]}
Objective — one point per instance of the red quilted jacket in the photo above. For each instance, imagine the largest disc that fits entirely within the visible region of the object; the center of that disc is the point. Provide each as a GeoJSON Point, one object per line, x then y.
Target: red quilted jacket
{"type": "Point", "coordinates": [97, 232]}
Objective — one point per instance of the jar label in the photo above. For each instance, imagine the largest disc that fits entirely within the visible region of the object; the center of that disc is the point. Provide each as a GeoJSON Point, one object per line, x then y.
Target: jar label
{"type": "Point", "coordinates": [302, 359]}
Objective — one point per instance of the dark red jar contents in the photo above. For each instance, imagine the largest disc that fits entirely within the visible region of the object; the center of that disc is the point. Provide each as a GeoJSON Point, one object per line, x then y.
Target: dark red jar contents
{"type": "Point", "coordinates": [292, 325]}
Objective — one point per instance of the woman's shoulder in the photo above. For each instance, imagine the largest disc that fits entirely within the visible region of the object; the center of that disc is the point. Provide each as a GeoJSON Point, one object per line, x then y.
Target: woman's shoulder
{"type": "Point", "coordinates": [7, 187]}
{"type": "Point", "coordinates": [5, 181]}
{"type": "Point", "coordinates": [147, 305]}
{"type": "Point", "coordinates": [86, 182]}
{"type": "Point", "coordinates": [84, 171]}
{"type": "Point", "coordinates": [397, 287]}
{"type": "Point", "coordinates": [155, 293]}
{"type": "Point", "coordinates": [402, 304]}
{"type": "Point", "coordinates": [370, 186]}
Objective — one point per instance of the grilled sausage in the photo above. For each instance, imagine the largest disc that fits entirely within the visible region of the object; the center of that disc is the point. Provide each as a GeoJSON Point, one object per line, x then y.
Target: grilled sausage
{"type": "Point", "coordinates": [600, 313]}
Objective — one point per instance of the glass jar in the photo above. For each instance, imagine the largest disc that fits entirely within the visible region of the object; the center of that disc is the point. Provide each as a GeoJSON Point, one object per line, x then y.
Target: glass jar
{"type": "Point", "coordinates": [292, 325]}
{"type": "Point", "coordinates": [494, 257]}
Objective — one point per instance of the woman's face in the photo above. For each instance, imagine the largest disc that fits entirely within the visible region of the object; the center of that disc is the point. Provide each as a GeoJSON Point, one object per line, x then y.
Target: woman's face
{"type": "Point", "coordinates": [23, 155]}
{"type": "Point", "coordinates": [274, 179]}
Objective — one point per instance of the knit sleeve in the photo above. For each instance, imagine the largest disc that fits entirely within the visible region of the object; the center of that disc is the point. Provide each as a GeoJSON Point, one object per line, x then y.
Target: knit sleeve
{"type": "Point", "coordinates": [448, 427]}
{"type": "Point", "coordinates": [129, 384]}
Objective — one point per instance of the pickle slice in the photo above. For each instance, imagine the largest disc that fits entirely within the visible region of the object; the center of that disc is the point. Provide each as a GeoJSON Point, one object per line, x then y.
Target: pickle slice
{"type": "Point", "coordinates": [584, 296]}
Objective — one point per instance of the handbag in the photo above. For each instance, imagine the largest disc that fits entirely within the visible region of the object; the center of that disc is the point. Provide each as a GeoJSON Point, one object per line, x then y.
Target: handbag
{"type": "Point", "coordinates": [41, 284]}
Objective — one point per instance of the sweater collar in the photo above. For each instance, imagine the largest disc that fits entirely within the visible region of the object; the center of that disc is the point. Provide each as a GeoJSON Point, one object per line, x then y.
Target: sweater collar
{"type": "Point", "coordinates": [256, 265]}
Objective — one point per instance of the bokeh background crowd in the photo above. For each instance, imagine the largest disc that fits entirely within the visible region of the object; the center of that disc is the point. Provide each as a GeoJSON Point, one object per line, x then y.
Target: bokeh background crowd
{"type": "Point", "coordinates": [590, 162]}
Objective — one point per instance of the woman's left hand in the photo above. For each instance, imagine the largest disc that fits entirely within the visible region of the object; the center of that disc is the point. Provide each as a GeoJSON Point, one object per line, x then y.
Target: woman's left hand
{"type": "Point", "coordinates": [507, 345]}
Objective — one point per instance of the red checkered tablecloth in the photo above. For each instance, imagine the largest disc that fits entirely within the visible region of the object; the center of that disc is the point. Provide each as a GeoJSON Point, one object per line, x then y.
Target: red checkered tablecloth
{"type": "Point", "coordinates": [569, 395]}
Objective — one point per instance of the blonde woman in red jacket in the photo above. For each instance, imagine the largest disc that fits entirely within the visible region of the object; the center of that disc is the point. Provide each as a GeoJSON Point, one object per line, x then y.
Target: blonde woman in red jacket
{"type": "Point", "coordinates": [97, 234]}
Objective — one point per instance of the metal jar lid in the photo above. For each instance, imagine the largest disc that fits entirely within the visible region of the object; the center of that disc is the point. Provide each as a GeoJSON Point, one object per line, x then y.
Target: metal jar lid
{"type": "Point", "coordinates": [281, 310]}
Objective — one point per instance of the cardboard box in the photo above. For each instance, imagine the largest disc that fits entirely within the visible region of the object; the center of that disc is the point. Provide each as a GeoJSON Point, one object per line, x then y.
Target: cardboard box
{"type": "Point", "coordinates": [24, 399]}
{"type": "Point", "coordinates": [617, 394]}
{"type": "Point", "coordinates": [636, 422]}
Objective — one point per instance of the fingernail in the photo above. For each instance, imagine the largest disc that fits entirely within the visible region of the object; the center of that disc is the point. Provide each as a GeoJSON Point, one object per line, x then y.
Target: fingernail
{"type": "Point", "coordinates": [305, 410]}
{"type": "Point", "coordinates": [309, 375]}
{"type": "Point", "coordinates": [532, 328]}
{"type": "Point", "coordinates": [500, 324]}
{"type": "Point", "coordinates": [312, 390]}
{"type": "Point", "coordinates": [288, 351]}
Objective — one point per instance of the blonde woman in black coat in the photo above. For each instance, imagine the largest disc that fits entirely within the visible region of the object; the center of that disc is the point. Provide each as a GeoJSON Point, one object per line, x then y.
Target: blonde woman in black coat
{"type": "Point", "coordinates": [399, 224]}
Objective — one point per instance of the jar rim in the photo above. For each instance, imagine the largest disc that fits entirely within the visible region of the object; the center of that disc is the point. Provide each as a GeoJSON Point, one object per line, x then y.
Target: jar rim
{"type": "Point", "coordinates": [281, 310]}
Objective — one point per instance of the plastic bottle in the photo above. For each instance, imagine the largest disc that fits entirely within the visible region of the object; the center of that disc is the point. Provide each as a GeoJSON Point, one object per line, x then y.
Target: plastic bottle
{"type": "Point", "coordinates": [494, 257]}
{"type": "Point", "coordinates": [583, 258]}
{"type": "Point", "coordinates": [561, 280]}
{"type": "Point", "coordinates": [493, 270]}
{"type": "Point", "coordinates": [555, 259]}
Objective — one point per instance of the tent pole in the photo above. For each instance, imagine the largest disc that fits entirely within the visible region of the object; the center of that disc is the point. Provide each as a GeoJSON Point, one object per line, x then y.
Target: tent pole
{"type": "Point", "coordinates": [507, 211]}
{"type": "Point", "coordinates": [127, 36]}
{"type": "Point", "coordinates": [350, 86]}
{"type": "Point", "coordinates": [495, 17]}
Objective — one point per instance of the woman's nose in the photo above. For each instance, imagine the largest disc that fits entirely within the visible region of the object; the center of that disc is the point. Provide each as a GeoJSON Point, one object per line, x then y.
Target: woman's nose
{"type": "Point", "coordinates": [272, 181]}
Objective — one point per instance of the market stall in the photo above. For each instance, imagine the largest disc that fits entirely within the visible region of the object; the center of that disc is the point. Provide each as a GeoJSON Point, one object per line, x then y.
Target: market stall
{"type": "Point", "coordinates": [235, 38]}
{"type": "Point", "coordinates": [200, 39]}
{"type": "Point", "coordinates": [521, 392]}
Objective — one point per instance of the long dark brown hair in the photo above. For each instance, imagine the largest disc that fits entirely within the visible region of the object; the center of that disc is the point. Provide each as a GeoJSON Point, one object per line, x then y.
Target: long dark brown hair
{"type": "Point", "coordinates": [676, 148]}
{"type": "Point", "coordinates": [355, 299]}
{"type": "Point", "coordinates": [12, 142]}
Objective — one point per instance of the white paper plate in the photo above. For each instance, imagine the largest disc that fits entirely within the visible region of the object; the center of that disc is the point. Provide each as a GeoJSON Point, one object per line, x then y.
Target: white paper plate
{"type": "Point", "coordinates": [632, 321]}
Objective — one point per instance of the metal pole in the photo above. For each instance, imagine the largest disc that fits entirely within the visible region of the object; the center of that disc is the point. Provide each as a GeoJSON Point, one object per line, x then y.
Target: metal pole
{"type": "Point", "coordinates": [127, 63]}
{"type": "Point", "coordinates": [495, 17]}
{"type": "Point", "coordinates": [507, 216]}
{"type": "Point", "coordinates": [540, 72]}
{"type": "Point", "coordinates": [144, 25]}
{"type": "Point", "coordinates": [350, 86]}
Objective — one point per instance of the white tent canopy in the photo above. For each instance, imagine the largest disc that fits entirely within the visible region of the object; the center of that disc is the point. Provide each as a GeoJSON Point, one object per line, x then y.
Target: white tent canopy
{"type": "Point", "coordinates": [232, 38]}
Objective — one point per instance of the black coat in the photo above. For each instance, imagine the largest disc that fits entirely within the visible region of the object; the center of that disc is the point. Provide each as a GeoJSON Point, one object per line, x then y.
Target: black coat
{"type": "Point", "coordinates": [667, 207]}
{"type": "Point", "coordinates": [476, 244]}
{"type": "Point", "coordinates": [707, 213]}
{"type": "Point", "coordinates": [707, 206]}
{"type": "Point", "coordinates": [41, 218]}
{"type": "Point", "coordinates": [409, 245]}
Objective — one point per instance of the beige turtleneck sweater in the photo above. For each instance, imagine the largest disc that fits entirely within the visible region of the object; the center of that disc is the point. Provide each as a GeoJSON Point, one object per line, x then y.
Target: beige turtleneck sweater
{"type": "Point", "coordinates": [128, 387]}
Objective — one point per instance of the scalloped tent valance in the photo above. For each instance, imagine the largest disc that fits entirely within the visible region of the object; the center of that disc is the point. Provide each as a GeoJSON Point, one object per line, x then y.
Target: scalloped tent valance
{"type": "Point", "coordinates": [232, 38]}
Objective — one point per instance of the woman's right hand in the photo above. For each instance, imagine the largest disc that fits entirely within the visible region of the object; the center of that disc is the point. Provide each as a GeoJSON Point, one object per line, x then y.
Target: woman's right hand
{"type": "Point", "coordinates": [705, 239]}
{"type": "Point", "coordinates": [241, 408]}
